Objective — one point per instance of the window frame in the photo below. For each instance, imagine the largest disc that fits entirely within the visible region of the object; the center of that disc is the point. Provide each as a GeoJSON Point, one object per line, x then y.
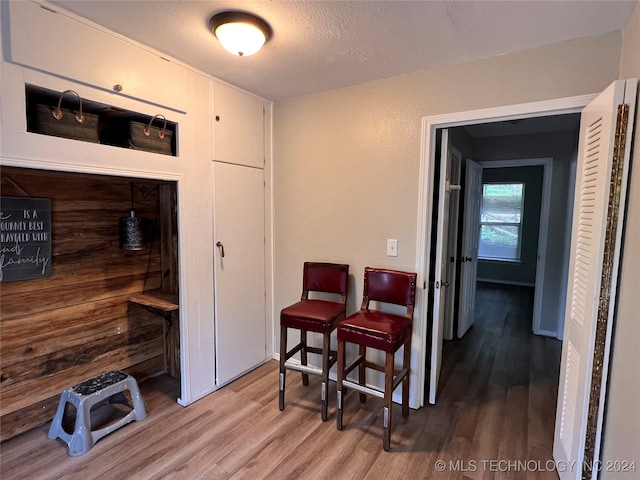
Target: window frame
{"type": "Point", "coordinates": [518, 225]}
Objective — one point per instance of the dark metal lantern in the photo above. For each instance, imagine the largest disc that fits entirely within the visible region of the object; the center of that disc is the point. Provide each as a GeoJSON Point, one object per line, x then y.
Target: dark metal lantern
{"type": "Point", "coordinates": [131, 232]}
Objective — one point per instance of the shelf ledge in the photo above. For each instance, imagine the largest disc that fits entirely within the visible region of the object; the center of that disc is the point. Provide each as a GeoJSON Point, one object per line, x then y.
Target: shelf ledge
{"type": "Point", "coordinates": [157, 299]}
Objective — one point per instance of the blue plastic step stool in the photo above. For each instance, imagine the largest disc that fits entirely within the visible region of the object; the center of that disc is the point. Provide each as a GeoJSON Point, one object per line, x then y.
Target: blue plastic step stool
{"type": "Point", "coordinates": [109, 387]}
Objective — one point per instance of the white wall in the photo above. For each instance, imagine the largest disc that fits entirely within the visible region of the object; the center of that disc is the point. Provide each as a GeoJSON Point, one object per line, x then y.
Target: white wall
{"type": "Point", "coordinates": [346, 162]}
{"type": "Point", "coordinates": [621, 440]}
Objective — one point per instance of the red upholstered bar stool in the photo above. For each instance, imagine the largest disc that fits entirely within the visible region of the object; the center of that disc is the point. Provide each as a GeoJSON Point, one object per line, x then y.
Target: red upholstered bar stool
{"type": "Point", "coordinates": [388, 332]}
{"type": "Point", "coordinates": [314, 315]}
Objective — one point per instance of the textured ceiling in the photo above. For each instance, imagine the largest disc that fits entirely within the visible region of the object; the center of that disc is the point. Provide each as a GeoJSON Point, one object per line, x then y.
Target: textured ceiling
{"type": "Point", "coordinates": [321, 45]}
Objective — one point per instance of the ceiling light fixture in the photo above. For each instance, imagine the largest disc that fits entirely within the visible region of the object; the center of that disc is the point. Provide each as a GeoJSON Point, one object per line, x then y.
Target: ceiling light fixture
{"type": "Point", "coordinates": [240, 33]}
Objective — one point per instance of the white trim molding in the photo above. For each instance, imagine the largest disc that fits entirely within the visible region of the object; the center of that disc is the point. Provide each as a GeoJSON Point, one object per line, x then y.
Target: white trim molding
{"type": "Point", "coordinates": [430, 125]}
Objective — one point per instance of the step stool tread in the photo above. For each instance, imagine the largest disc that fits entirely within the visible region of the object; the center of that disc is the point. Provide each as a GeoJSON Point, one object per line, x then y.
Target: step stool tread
{"type": "Point", "coordinates": [98, 383]}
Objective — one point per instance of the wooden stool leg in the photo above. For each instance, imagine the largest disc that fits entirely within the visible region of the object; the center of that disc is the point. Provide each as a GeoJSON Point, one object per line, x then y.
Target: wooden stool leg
{"type": "Point", "coordinates": [324, 386]}
{"type": "Point", "coordinates": [283, 358]}
{"type": "Point", "coordinates": [406, 361]}
{"type": "Point", "coordinates": [303, 355]}
{"type": "Point", "coordinates": [388, 395]}
{"type": "Point", "coordinates": [362, 371]}
{"type": "Point", "coordinates": [341, 391]}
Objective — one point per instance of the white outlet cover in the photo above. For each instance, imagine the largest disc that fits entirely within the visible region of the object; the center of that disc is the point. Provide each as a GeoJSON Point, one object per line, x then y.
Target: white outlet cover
{"type": "Point", "coordinates": [392, 247]}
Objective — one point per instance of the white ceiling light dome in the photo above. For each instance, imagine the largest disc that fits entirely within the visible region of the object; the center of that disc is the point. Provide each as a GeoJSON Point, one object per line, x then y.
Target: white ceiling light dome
{"type": "Point", "coordinates": [240, 33]}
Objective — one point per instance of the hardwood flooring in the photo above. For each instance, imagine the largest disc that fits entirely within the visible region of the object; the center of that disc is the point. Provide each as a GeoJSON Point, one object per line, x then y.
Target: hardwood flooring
{"type": "Point", "coordinates": [496, 405]}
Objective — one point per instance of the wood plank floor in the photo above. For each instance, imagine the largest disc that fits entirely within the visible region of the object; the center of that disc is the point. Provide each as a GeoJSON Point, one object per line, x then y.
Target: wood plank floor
{"type": "Point", "coordinates": [496, 405]}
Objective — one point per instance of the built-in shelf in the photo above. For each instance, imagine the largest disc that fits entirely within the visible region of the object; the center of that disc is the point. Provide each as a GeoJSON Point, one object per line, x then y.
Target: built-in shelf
{"type": "Point", "coordinates": [104, 124]}
{"type": "Point", "coordinates": [163, 302]}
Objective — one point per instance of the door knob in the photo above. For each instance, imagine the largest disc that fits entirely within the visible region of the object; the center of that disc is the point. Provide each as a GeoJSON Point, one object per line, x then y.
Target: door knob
{"type": "Point", "coordinates": [445, 284]}
{"type": "Point", "coordinates": [468, 259]}
{"type": "Point", "coordinates": [221, 247]}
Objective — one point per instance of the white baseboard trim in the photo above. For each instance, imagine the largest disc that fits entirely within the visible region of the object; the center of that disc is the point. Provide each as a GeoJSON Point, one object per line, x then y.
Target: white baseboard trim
{"type": "Point", "coordinates": [506, 282]}
{"type": "Point", "coordinates": [186, 402]}
{"type": "Point", "coordinates": [547, 333]}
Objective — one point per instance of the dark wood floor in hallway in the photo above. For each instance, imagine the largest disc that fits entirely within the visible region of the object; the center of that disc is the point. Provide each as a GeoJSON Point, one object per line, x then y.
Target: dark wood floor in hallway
{"type": "Point", "coordinates": [500, 384]}
{"type": "Point", "coordinates": [493, 420]}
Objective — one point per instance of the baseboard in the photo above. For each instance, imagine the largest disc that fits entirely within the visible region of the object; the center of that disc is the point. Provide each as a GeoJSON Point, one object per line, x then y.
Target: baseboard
{"type": "Point", "coordinates": [546, 333]}
{"type": "Point", "coordinates": [186, 402]}
{"type": "Point", "coordinates": [506, 282]}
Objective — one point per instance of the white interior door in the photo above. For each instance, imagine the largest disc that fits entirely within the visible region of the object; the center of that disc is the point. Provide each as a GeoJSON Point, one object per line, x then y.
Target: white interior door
{"type": "Point", "coordinates": [470, 235]}
{"type": "Point", "coordinates": [440, 269]}
{"type": "Point", "coordinates": [455, 167]}
{"type": "Point", "coordinates": [601, 185]}
{"type": "Point", "coordinates": [239, 269]}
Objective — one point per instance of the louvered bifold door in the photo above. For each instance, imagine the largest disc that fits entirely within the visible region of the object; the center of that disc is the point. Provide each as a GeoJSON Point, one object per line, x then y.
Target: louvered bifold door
{"type": "Point", "coordinates": [605, 136]}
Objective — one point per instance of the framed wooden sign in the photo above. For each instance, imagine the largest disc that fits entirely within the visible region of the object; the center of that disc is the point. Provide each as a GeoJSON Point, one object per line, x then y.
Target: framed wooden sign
{"type": "Point", "coordinates": [25, 238]}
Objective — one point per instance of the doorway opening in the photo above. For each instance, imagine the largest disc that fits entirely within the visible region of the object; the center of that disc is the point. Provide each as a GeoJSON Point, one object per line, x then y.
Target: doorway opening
{"type": "Point", "coordinates": [429, 363]}
{"type": "Point", "coordinates": [499, 237]}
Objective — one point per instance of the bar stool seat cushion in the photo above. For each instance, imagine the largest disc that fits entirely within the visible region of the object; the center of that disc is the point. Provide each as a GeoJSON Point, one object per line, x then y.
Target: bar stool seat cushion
{"type": "Point", "coordinates": [383, 331]}
{"type": "Point", "coordinates": [312, 315]}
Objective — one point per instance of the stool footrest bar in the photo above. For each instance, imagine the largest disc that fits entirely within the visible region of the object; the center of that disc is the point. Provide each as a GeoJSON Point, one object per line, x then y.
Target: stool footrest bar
{"type": "Point", "coordinates": [357, 361]}
{"type": "Point", "coordinates": [303, 368]}
{"type": "Point", "coordinates": [293, 351]}
{"type": "Point", "coordinates": [399, 376]}
{"type": "Point", "coordinates": [363, 389]}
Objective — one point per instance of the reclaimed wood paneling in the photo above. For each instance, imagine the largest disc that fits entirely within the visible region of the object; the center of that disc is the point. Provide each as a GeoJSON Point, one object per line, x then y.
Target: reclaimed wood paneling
{"type": "Point", "coordinates": [169, 259]}
{"type": "Point", "coordinates": [78, 323]}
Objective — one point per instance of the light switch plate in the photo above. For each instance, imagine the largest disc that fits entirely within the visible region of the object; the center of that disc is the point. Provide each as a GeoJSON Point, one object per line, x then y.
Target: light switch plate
{"type": "Point", "coordinates": [392, 247]}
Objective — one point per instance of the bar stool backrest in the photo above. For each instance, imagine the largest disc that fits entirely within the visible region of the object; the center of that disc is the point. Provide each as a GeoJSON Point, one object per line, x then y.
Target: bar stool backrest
{"type": "Point", "coordinates": [389, 286]}
{"type": "Point", "coordinates": [325, 277]}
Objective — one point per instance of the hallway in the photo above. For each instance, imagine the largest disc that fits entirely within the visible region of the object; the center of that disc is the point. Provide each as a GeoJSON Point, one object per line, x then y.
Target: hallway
{"type": "Point", "coordinates": [500, 384]}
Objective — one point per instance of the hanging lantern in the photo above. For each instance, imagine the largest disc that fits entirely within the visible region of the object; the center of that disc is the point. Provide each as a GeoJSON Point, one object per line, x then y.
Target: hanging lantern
{"type": "Point", "coordinates": [132, 230]}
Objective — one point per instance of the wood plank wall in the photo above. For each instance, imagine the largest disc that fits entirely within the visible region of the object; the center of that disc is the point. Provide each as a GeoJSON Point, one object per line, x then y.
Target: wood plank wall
{"type": "Point", "coordinates": [78, 323]}
{"type": "Point", "coordinates": [170, 282]}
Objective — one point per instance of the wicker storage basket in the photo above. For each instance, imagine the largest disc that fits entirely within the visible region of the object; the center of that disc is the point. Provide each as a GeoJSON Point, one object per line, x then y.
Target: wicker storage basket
{"type": "Point", "coordinates": [151, 139]}
{"type": "Point", "coordinates": [63, 122]}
